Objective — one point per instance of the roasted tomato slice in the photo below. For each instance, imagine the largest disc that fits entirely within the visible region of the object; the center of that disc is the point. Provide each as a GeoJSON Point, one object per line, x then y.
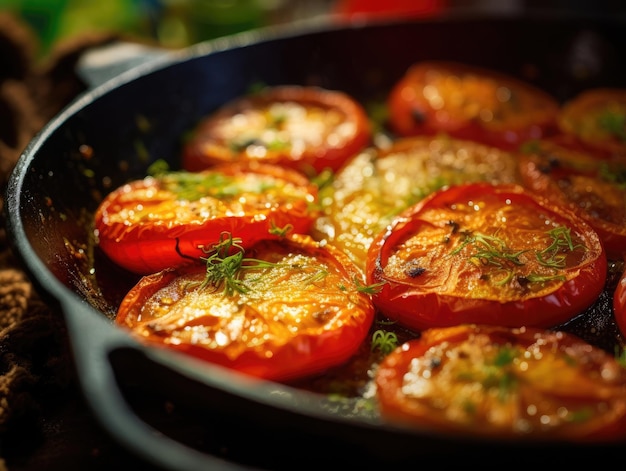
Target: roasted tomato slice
{"type": "Point", "coordinates": [597, 119]}
{"type": "Point", "coordinates": [486, 254]}
{"type": "Point", "coordinates": [167, 220]}
{"type": "Point", "coordinates": [306, 128]}
{"type": "Point", "coordinates": [469, 102]}
{"type": "Point", "coordinates": [280, 310]}
{"type": "Point", "coordinates": [498, 382]}
{"type": "Point", "coordinates": [594, 188]}
{"type": "Point", "coordinates": [377, 184]}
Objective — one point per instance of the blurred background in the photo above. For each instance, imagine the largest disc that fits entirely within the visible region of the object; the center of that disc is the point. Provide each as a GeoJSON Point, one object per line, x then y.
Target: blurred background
{"type": "Point", "coordinates": [178, 23]}
{"type": "Point", "coordinates": [172, 23]}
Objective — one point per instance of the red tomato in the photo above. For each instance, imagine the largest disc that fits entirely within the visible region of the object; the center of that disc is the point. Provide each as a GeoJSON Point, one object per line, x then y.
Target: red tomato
{"type": "Point", "coordinates": [374, 186]}
{"type": "Point", "coordinates": [597, 119]}
{"type": "Point", "coordinates": [469, 102]}
{"type": "Point", "coordinates": [619, 303]}
{"type": "Point", "coordinates": [486, 254]}
{"type": "Point", "coordinates": [306, 128]}
{"type": "Point", "coordinates": [158, 222]}
{"type": "Point", "coordinates": [360, 9]}
{"type": "Point", "coordinates": [595, 189]}
{"type": "Point", "coordinates": [281, 310]}
{"type": "Point", "coordinates": [500, 382]}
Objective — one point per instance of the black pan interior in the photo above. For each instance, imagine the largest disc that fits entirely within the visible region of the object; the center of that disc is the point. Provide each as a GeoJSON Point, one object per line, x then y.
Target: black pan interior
{"type": "Point", "coordinates": [113, 133]}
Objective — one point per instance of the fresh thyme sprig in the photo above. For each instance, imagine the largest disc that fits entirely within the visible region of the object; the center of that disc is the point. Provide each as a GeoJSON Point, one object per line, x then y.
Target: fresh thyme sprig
{"type": "Point", "coordinates": [224, 268]}
{"type": "Point", "coordinates": [280, 231]}
{"type": "Point", "coordinates": [192, 186]}
{"type": "Point", "coordinates": [384, 341]}
{"type": "Point", "coordinates": [368, 289]}
{"type": "Point", "coordinates": [362, 288]}
{"type": "Point", "coordinates": [494, 251]}
{"type": "Point", "coordinates": [226, 262]}
{"type": "Point", "coordinates": [316, 277]}
{"type": "Point", "coordinates": [553, 256]}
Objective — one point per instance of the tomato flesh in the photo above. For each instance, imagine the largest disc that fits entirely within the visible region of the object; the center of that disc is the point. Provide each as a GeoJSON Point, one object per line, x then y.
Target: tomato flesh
{"type": "Point", "coordinates": [297, 310]}
{"type": "Point", "coordinates": [499, 382]}
{"type": "Point", "coordinates": [488, 254]}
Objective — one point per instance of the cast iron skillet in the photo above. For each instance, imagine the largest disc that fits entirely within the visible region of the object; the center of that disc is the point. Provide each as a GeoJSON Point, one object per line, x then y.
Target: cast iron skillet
{"type": "Point", "coordinates": [114, 131]}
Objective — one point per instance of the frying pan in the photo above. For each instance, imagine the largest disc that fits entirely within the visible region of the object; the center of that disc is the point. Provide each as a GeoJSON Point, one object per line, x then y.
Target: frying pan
{"type": "Point", "coordinates": [219, 419]}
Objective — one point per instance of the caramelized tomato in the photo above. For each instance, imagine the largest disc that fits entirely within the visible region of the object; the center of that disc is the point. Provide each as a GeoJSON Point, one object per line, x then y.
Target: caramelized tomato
{"type": "Point", "coordinates": [469, 102]}
{"type": "Point", "coordinates": [595, 189]}
{"type": "Point", "coordinates": [159, 222]}
{"type": "Point", "coordinates": [499, 382]}
{"type": "Point", "coordinates": [281, 310]}
{"type": "Point", "coordinates": [376, 185]}
{"type": "Point", "coordinates": [486, 254]}
{"type": "Point", "coordinates": [597, 119]}
{"type": "Point", "coordinates": [307, 128]}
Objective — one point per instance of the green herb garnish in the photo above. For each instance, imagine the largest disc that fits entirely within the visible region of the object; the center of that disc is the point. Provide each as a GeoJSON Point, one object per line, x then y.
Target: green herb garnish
{"type": "Point", "coordinates": [493, 251]}
{"type": "Point", "coordinates": [368, 289]}
{"type": "Point", "coordinates": [614, 123]}
{"type": "Point", "coordinates": [384, 341]}
{"type": "Point", "coordinates": [192, 186]}
{"type": "Point", "coordinates": [280, 231]}
{"type": "Point", "coordinates": [225, 265]}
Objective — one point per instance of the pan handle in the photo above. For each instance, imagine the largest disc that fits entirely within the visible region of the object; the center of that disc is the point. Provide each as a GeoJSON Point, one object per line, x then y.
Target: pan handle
{"type": "Point", "coordinates": [93, 340]}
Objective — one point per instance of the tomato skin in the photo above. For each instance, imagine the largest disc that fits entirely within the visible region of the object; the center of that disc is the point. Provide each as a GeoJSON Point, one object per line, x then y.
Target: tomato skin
{"type": "Point", "coordinates": [285, 331]}
{"type": "Point", "coordinates": [486, 381]}
{"type": "Point", "coordinates": [596, 120]}
{"type": "Point", "coordinates": [574, 178]}
{"type": "Point", "coordinates": [210, 144]}
{"type": "Point", "coordinates": [619, 303]}
{"type": "Point", "coordinates": [428, 286]}
{"type": "Point", "coordinates": [427, 100]}
{"type": "Point", "coordinates": [175, 230]}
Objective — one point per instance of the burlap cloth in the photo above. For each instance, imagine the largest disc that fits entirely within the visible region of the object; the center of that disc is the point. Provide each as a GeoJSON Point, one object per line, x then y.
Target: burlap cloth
{"type": "Point", "coordinates": [34, 366]}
